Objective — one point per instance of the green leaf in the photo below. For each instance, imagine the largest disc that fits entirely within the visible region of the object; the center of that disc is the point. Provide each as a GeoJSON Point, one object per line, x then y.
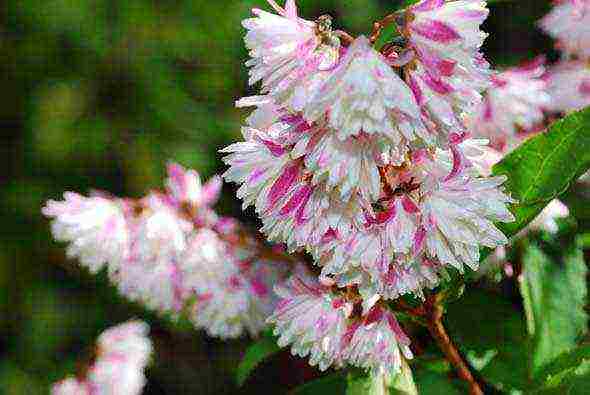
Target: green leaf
{"type": "Point", "coordinates": [543, 167]}
{"type": "Point", "coordinates": [256, 353]}
{"type": "Point", "coordinates": [335, 383]}
{"type": "Point", "coordinates": [572, 381]}
{"type": "Point", "coordinates": [401, 383]}
{"type": "Point", "coordinates": [583, 241]}
{"type": "Point", "coordinates": [554, 297]}
{"type": "Point", "coordinates": [559, 369]}
{"type": "Point", "coordinates": [431, 382]}
{"type": "Point", "coordinates": [491, 332]}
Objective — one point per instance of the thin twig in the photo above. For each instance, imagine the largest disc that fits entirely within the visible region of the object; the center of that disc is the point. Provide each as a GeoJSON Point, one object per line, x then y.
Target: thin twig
{"type": "Point", "coordinates": [345, 37]}
{"type": "Point", "coordinates": [438, 331]}
{"type": "Point", "coordinates": [380, 25]}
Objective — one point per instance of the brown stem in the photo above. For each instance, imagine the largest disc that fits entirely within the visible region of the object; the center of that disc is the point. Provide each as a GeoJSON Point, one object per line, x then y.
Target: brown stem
{"type": "Point", "coordinates": [380, 25]}
{"type": "Point", "coordinates": [345, 37]}
{"type": "Point", "coordinates": [438, 331]}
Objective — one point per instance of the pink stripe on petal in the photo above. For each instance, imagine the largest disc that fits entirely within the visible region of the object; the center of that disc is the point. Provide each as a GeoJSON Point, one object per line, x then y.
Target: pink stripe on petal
{"type": "Point", "coordinates": [416, 90]}
{"type": "Point", "coordinates": [437, 85]}
{"type": "Point", "coordinates": [436, 31]}
{"type": "Point", "coordinates": [255, 175]}
{"type": "Point", "coordinates": [374, 315]}
{"type": "Point", "coordinates": [283, 183]}
{"type": "Point", "coordinates": [419, 238]}
{"type": "Point", "coordinates": [488, 111]}
{"type": "Point", "coordinates": [259, 288]}
{"type": "Point", "coordinates": [397, 329]}
{"type": "Point", "coordinates": [409, 206]}
{"type": "Point", "coordinates": [301, 195]}
{"type": "Point", "coordinates": [472, 14]}
{"type": "Point", "coordinates": [458, 163]}
{"type": "Point", "coordinates": [584, 88]}
{"type": "Point", "coordinates": [273, 147]}
{"type": "Point", "coordinates": [435, 63]}
{"type": "Point", "coordinates": [428, 5]}
{"type": "Point", "coordinates": [350, 331]}
{"type": "Point", "coordinates": [291, 9]}
{"type": "Point", "coordinates": [385, 216]}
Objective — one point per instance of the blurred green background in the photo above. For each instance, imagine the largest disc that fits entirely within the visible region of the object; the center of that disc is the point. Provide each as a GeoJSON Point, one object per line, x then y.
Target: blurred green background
{"type": "Point", "coordinates": [100, 94]}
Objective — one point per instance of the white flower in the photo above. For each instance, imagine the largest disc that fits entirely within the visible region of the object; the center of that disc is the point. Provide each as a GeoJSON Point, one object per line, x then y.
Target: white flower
{"type": "Point", "coordinates": [568, 23]}
{"type": "Point", "coordinates": [390, 232]}
{"type": "Point", "coordinates": [446, 36]}
{"type": "Point", "coordinates": [350, 165]}
{"type": "Point", "coordinates": [569, 86]}
{"type": "Point", "coordinates": [95, 228]}
{"type": "Point", "coordinates": [71, 386]}
{"type": "Point", "coordinates": [516, 99]}
{"type": "Point", "coordinates": [364, 94]}
{"type": "Point", "coordinates": [122, 355]}
{"type": "Point", "coordinates": [546, 220]}
{"type": "Point", "coordinates": [312, 320]}
{"type": "Point", "coordinates": [232, 285]}
{"type": "Point", "coordinates": [185, 186]}
{"type": "Point", "coordinates": [448, 73]}
{"type": "Point", "coordinates": [152, 275]}
{"type": "Point", "coordinates": [262, 167]}
{"type": "Point", "coordinates": [291, 56]}
{"type": "Point", "coordinates": [309, 215]}
{"type": "Point", "coordinates": [458, 217]}
{"type": "Point", "coordinates": [377, 343]}
{"type": "Point", "coordinates": [443, 102]}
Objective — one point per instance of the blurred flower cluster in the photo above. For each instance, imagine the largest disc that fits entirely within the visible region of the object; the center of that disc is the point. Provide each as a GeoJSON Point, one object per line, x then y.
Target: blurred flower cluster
{"type": "Point", "coordinates": [173, 253]}
{"type": "Point", "coordinates": [122, 354]}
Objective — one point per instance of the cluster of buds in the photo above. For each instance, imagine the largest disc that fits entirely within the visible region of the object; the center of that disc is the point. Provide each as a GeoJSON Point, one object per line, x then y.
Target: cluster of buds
{"type": "Point", "coordinates": [122, 353]}
{"type": "Point", "coordinates": [173, 253]}
{"type": "Point", "coordinates": [362, 158]}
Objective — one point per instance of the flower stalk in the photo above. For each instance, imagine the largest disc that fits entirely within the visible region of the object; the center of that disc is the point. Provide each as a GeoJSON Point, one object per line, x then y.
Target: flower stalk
{"type": "Point", "coordinates": [434, 312]}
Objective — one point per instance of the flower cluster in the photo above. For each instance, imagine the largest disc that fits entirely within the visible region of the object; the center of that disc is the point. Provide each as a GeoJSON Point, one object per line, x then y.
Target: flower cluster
{"type": "Point", "coordinates": [122, 354]}
{"type": "Point", "coordinates": [363, 159]}
{"type": "Point", "coordinates": [172, 252]}
{"type": "Point", "coordinates": [513, 106]}
{"type": "Point", "coordinates": [324, 325]}
{"type": "Point", "coordinates": [569, 80]}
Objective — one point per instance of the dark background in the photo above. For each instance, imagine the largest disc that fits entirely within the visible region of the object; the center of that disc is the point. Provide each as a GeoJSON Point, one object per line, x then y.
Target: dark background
{"type": "Point", "coordinates": [100, 94]}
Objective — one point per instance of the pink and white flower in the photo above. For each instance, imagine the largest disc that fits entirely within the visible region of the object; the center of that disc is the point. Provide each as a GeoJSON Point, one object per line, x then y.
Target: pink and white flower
{"type": "Point", "coordinates": [568, 23]}
{"type": "Point", "coordinates": [547, 219]}
{"type": "Point", "coordinates": [350, 165]}
{"type": "Point", "coordinates": [446, 36]}
{"type": "Point", "coordinates": [290, 55]}
{"type": "Point", "coordinates": [448, 73]}
{"type": "Point", "coordinates": [177, 249]}
{"type": "Point", "coordinates": [514, 103]}
{"type": "Point", "coordinates": [309, 216]}
{"type": "Point", "coordinates": [569, 86]}
{"type": "Point", "coordinates": [458, 215]}
{"type": "Point", "coordinates": [123, 352]}
{"type": "Point", "coordinates": [185, 187]}
{"type": "Point", "coordinates": [95, 228]}
{"type": "Point", "coordinates": [71, 386]}
{"type": "Point", "coordinates": [262, 167]}
{"type": "Point", "coordinates": [232, 285]}
{"type": "Point", "coordinates": [312, 320]}
{"type": "Point", "coordinates": [377, 343]}
{"type": "Point", "coordinates": [152, 275]}
{"type": "Point", "coordinates": [365, 95]}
